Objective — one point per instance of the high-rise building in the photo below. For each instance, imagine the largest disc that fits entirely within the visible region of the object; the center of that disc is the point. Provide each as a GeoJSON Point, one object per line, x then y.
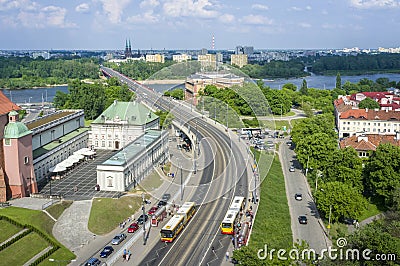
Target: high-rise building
{"type": "Point", "coordinates": [239, 60]}
{"type": "Point", "coordinates": [155, 58]}
{"type": "Point", "coordinates": [244, 50]}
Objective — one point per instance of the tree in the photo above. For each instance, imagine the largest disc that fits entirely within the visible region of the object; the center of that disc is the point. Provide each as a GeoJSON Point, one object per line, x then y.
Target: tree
{"type": "Point", "coordinates": [340, 200]}
{"type": "Point", "coordinates": [382, 174]}
{"type": "Point", "coordinates": [368, 103]}
{"type": "Point", "coordinates": [338, 81]}
{"type": "Point", "coordinates": [316, 149]}
{"type": "Point", "coordinates": [290, 86]}
{"type": "Point", "coordinates": [345, 167]}
{"type": "Point", "coordinates": [304, 88]}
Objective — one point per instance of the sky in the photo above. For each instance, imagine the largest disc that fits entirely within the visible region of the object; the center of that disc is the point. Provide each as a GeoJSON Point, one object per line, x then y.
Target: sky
{"type": "Point", "coordinates": [191, 24]}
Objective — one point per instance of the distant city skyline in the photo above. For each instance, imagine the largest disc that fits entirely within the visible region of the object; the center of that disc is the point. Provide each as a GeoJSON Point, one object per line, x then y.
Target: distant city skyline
{"type": "Point", "coordinates": [190, 24]}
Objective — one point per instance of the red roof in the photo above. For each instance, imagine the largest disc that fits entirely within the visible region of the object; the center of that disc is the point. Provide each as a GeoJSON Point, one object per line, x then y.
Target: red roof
{"type": "Point", "coordinates": [372, 95]}
{"type": "Point", "coordinates": [371, 114]}
{"type": "Point", "coordinates": [370, 145]}
{"type": "Point", "coordinates": [6, 105]}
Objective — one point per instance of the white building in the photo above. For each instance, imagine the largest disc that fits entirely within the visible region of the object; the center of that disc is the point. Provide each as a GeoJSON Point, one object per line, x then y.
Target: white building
{"type": "Point", "coordinates": [181, 57]}
{"type": "Point", "coordinates": [132, 164]}
{"type": "Point", "coordinates": [120, 124]}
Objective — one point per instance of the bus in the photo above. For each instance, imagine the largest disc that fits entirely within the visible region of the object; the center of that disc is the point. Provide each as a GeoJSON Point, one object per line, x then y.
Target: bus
{"type": "Point", "coordinates": [231, 217]}
{"type": "Point", "coordinates": [228, 224]}
{"type": "Point", "coordinates": [238, 203]}
{"type": "Point", "coordinates": [174, 226]}
{"type": "Point", "coordinates": [171, 230]}
{"type": "Point", "coordinates": [187, 210]}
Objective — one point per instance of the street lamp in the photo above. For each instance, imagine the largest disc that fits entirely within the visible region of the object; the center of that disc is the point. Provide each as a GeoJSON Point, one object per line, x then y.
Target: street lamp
{"type": "Point", "coordinates": [59, 261]}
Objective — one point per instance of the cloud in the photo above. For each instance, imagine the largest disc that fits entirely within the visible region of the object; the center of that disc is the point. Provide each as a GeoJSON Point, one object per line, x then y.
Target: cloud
{"type": "Point", "coordinates": [149, 4]}
{"type": "Point", "coordinates": [49, 16]}
{"type": "Point", "coordinates": [259, 7]}
{"type": "Point", "coordinates": [256, 20]}
{"type": "Point", "coordinates": [227, 18]}
{"type": "Point", "coordinates": [192, 8]}
{"type": "Point", "coordinates": [304, 25]}
{"type": "Point", "coordinates": [114, 9]}
{"type": "Point", "coordinates": [374, 3]}
{"type": "Point", "coordinates": [143, 18]}
{"type": "Point", "coordinates": [18, 4]}
{"type": "Point", "coordinates": [296, 8]}
{"type": "Point", "coordinates": [82, 8]}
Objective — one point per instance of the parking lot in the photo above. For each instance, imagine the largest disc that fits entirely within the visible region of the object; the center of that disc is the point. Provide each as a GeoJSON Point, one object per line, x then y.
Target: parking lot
{"type": "Point", "coordinates": [79, 183]}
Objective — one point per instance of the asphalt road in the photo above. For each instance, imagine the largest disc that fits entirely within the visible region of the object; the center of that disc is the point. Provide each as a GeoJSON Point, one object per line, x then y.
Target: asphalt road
{"type": "Point", "coordinates": [314, 231]}
{"type": "Point", "coordinates": [193, 247]}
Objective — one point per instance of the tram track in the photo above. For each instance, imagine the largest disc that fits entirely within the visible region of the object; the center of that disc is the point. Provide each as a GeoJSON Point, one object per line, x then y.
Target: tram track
{"type": "Point", "coordinates": [220, 179]}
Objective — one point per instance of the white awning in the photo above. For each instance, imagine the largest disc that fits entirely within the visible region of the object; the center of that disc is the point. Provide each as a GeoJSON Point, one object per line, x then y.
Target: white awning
{"type": "Point", "coordinates": [66, 163]}
{"type": "Point", "coordinates": [89, 153]}
{"type": "Point", "coordinates": [58, 168]}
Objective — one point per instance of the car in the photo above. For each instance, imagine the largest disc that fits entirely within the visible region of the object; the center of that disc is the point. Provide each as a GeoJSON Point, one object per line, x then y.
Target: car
{"type": "Point", "coordinates": [161, 203]}
{"type": "Point", "coordinates": [133, 227]}
{"type": "Point", "coordinates": [166, 197]}
{"type": "Point", "coordinates": [298, 196]}
{"type": "Point", "coordinates": [92, 262]}
{"type": "Point", "coordinates": [349, 221]}
{"type": "Point", "coordinates": [152, 210]}
{"type": "Point", "coordinates": [107, 250]}
{"type": "Point", "coordinates": [291, 169]}
{"type": "Point", "coordinates": [302, 219]}
{"type": "Point", "coordinates": [142, 219]}
{"type": "Point", "coordinates": [289, 143]}
{"type": "Point", "coordinates": [118, 239]}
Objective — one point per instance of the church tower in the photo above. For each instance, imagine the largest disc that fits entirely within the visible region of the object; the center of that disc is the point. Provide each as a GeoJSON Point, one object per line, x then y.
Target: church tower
{"type": "Point", "coordinates": [128, 49]}
{"type": "Point", "coordinates": [19, 171]}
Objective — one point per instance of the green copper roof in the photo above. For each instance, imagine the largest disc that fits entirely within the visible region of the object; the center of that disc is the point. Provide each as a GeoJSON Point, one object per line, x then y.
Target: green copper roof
{"type": "Point", "coordinates": [132, 113]}
{"type": "Point", "coordinates": [15, 130]}
{"type": "Point", "coordinates": [13, 112]}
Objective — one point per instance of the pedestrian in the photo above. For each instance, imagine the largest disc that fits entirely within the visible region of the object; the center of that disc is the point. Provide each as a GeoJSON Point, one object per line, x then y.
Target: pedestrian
{"type": "Point", "coordinates": [212, 249]}
{"type": "Point", "coordinates": [227, 256]}
{"type": "Point", "coordinates": [129, 254]}
{"type": "Point", "coordinates": [357, 224]}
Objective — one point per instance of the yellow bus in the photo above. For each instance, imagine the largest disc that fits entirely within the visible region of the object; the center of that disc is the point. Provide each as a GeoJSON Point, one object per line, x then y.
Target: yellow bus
{"type": "Point", "coordinates": [171, 230]}
{"type": "Point", "coordinates": [187, 210]}
{"type": "Point", "coordinates": [231, 216]}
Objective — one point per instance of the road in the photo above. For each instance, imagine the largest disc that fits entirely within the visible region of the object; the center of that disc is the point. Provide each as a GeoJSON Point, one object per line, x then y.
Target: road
{"type": "Point", "coordinates": [314, 231]}
{"type": "Point", "coordinates": [221, 180]}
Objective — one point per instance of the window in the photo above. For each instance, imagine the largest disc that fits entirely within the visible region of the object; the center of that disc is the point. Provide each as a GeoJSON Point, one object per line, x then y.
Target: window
{"type": "Point", "coordinates": [109, 181]}
{"type": "Point", "coordinates": [103, 143]}
{"type": "Point", "coordinates": [96, 143]}
{"type": "Point", "coordinates": [26, 160]}
{"type": "Point", "coordinates": [110, 144]}
{"type": "Point", "coordinates": [7, 142]}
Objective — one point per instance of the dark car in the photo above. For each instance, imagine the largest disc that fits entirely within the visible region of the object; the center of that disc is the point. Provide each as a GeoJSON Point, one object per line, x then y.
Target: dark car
{"type": "Point", "coordinates": [92, 262]}
{"type": "Point", "coordinates": [349, 221]}
{"type": "Point", "coordinates": [152, 210]}
{"type": "Point", "coordinates": [161, 203]}
{"type": "Point", "coordinates": [298, 196]}
{"type": "Point", "coordinates": [106, 251]}
{"type": "Point", "coordinates": [133, 228]}
{"type": "Point", "coordinates": [142, 219]}
{"type": "Point", "coordinates": [118, 239]}
{"type": "Point", "coordinates": [166, 197]}
{"type": "Point", "coordinates": [302, 219]}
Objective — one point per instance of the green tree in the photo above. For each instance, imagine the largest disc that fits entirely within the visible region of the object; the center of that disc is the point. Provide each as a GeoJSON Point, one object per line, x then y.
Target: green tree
{"type": "Point", "coordinates": [338, 81]}
{"type": "Point", "coordinates": [290, 86]}
{"type": "Point", "coordinates": [340, 200]}
{"type": "Point", "coordinates": [304, 88]}
{"type": "Point", "coordinates": [382, 174]}
{"type": "Point", "coordinates": [368, 103]}
{"type": "Point", "coordinates": [345, 167]}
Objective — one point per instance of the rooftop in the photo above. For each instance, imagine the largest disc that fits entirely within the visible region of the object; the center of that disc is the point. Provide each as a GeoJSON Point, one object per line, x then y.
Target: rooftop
{"type": "Point", "coordinates": [52, 145]}
{"type": "Point", "coordinates": [128, 113]}
{"type": "Point", "coordinates": [134, 148]}
{"type": "Point", "coordinates": [368, 142]}
{"type": "Point", "coordinates": [384, 115]}
{"type": "Point", "coordinates": [6, 105]}
{"type": "Point", "coordinates": [47, 119]}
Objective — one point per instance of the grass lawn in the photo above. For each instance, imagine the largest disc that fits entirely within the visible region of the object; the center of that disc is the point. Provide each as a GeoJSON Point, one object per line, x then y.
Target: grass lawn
{"type": "Point", "coordinates": [42, 222]}
{"type": "Point", "coordinates": [107, 213]}
{"type": "Point", "coordinates": [57, 209]}
{"type": "Point", "coordinates": [151, 182]}
{"type": "Point", "coordinates": [23, 250]}
{"type": "Point", "coordinates": [275, 125]}
{"type": "Point", "coordinates": [272, 223]}
{"type": "Point", "coordinates": [7, 230]}
{"type": "Point", "coordinates": [371, 210]}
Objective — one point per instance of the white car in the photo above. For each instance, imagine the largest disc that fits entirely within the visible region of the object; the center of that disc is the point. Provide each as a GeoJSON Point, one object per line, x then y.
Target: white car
{"type": "Point", "coordinates": [291, 169]}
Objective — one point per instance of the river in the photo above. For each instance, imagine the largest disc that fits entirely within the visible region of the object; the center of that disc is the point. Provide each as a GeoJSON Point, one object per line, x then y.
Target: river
{"type": "Point", "coordinates": [328, 82]}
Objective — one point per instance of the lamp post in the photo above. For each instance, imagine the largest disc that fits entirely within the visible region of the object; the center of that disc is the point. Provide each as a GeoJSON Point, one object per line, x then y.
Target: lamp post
{"type": "Point", "coordinates": [308, 159]}
{"type": "Point", "coordinates": [329, 219]}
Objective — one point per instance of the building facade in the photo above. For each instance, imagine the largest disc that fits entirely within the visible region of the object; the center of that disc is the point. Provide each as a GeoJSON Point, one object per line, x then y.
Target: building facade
{"type": "Point", "coordinates": [181, 57]}
{"type": "Point", "coordinates": [120, 124]}
{"type": "Point", "coordinates": [155, 58]}
{"type": "Point", "coordinates": [132, 164]}
{"type": "Point", "coordinates": [239, 60]}
{"type": "Point", "coordinates": [54, 138]}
